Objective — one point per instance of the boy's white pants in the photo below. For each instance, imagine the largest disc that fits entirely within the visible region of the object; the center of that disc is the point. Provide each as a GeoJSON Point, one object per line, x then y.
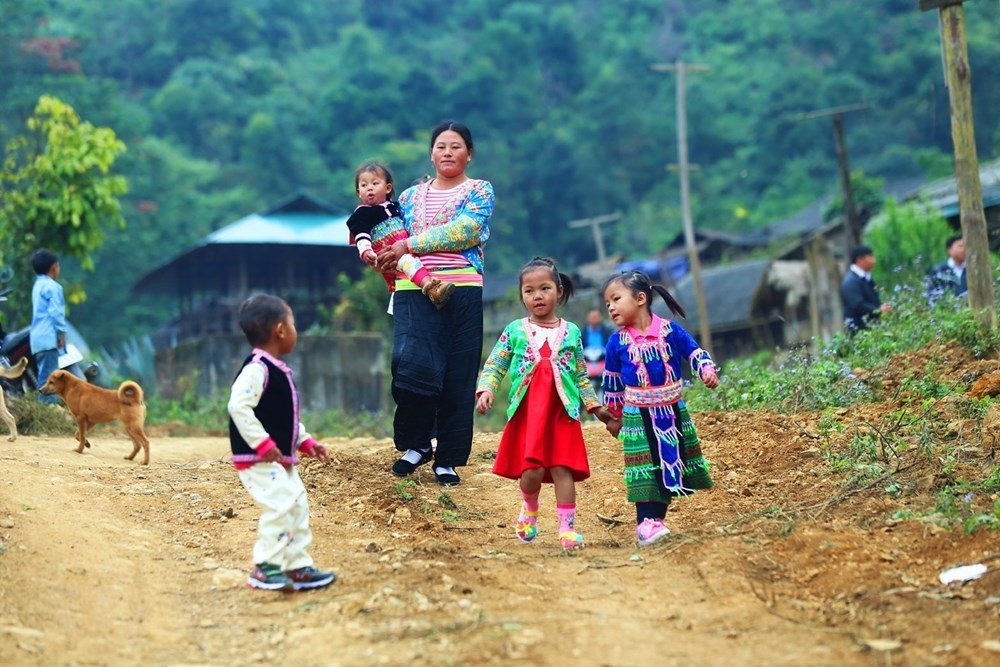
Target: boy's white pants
{"type": "Point", "coordinates": [283, 533]}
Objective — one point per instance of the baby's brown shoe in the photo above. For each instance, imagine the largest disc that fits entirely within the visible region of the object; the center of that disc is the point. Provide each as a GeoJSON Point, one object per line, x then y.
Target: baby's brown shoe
{"type": "Point", "coordinates": [438, 291]}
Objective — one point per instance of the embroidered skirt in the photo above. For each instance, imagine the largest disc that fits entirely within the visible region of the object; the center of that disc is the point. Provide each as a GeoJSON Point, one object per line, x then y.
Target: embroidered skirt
{"type": "Point", "coordinates": [649, 439]}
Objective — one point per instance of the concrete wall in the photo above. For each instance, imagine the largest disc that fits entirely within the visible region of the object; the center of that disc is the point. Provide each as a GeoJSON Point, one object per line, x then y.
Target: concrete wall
{"type": "Point", "coordinates": [344, 371]}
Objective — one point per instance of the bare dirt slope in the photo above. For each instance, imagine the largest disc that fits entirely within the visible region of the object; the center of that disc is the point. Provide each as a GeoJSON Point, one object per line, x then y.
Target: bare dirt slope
{"type": "Point", "coordinates": [105, 562]}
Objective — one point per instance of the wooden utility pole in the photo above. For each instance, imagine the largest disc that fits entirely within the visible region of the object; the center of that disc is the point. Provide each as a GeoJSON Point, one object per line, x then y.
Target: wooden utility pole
{"type": "Point", "coordinates": [704, 326]}
{"type": "Point", "coordinates": [595, 225]}
{"type": "Point", "coordinates": [852, 221]}
{"type": "Point", "coordinates": [963, 136]}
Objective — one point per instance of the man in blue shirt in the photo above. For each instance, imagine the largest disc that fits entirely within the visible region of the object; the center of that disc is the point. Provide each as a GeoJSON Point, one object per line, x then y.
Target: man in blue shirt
{"type": "Point", "coordinates": [48, 321]}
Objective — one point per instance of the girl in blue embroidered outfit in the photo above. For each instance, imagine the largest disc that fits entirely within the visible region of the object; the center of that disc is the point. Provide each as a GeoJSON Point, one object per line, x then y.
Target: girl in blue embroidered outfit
{"type": "Point", "coordinates": [265, 434]}
{"type": "Point", "coordinates": [543, 440]}
{"type": "Point", "coordinates": [642, 389]}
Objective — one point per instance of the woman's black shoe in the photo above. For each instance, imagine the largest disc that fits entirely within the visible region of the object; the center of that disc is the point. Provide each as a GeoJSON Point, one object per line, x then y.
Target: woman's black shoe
{"type": "Point", "coordinates": [403, 468]}
{"type": "Point", "coordinates": [447, 478]}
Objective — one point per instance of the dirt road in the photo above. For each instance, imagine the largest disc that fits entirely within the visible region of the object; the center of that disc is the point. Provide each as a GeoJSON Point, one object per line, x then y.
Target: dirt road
{"type": "Point", "coordinates": [106, 562]}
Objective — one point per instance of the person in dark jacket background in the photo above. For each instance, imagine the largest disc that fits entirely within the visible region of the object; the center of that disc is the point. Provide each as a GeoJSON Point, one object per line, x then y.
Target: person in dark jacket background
{"type": "Point", "coordinates": [948, 277]}
{"type": "Point", "coordinates": [861, 301]}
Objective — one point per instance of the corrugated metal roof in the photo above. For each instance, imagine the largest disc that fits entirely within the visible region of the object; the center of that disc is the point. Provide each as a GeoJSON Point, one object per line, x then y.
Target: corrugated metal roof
{"type": "Point", "coordinates": [301, 225]}
{"type": "Point", "coordinates": [291, 228]}
{"type": "Point", "coordinates": [943, 193]}
{"type": "Point", "coordinates": [729, 295]}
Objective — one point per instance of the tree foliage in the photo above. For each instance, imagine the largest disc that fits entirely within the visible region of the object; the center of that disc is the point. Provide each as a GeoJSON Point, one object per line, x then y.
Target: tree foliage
{"type": "Point", "coordinates": [239, 103]}
{"type": "Point", "coordinates": [58, 189]}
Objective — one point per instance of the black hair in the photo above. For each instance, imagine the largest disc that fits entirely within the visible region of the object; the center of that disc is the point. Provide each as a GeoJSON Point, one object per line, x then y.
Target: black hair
{"type": "Point", "coordinates": [561, 279]}
{"type": "Point", "coordinates": [376, 168]}
{"type": "Point", "coordinates": [462, 131]}
{"type": "Point", "coordinates": [42, 261]}
{"type": "Point", "coordinates": [857, 252]}
{"type": "Point", "coordinates": [259, 315]}
{"type": "Point", "coordinates": [637, 283]}
{"type": "Point", "coordinates": [951, 241]}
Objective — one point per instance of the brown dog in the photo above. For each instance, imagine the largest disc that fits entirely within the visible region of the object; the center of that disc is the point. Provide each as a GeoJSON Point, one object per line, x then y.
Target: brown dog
{"type": "Point", "coordinates": [91, 405]}
{"type": "Point", "coordinates": [14, 371]}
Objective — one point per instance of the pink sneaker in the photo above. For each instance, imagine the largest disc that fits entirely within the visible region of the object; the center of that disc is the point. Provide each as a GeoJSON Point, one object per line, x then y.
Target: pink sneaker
{"type": "Point", "coordinates": [571, 539]}
{"type": "Point", "coordinates": [651, 531]}
{"type": "Point", "coordinates": [527, 528]}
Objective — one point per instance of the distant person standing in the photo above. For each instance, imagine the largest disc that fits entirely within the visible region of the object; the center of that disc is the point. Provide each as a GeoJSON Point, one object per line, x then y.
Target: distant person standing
{"type": "Point", "coordinates": [948, 277]}
{"type": "Point", "coordinates": [595, 339]}
{"type": "Point", "coordinates": [48, 320]}
{"type": "Point", "coordinates": [857, 291]}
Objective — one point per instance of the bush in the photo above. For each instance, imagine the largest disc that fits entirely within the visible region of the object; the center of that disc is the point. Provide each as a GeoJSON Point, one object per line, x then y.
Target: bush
{"type": "Point", "coordinates": [803, 381]}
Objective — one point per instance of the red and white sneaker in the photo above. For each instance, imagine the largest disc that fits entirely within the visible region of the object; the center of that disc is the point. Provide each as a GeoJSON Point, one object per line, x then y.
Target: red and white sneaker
{"type": "Point", "coordinates": [306, 578]}
{"type": "Point", "coordinates": [651, 531]}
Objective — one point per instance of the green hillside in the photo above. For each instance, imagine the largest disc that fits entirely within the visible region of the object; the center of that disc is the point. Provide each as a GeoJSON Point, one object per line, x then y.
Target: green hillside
{"type": "Point", "coordinates": [228, 106]}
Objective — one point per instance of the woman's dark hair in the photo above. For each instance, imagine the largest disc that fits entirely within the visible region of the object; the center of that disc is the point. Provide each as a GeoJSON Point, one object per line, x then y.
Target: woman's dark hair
{"type": "Point", "coordinates": [258, 316]}
{"type": "Point", "coordinates": [638, 282]}
{"type": "Point", "coordinates": [561, 279]}
{"type": "Point", "coordinates": [458, 128]}
{"type": "Point", "coordinates": [42, 261]}
{"type": "Point", "coordinates": [376, 168]}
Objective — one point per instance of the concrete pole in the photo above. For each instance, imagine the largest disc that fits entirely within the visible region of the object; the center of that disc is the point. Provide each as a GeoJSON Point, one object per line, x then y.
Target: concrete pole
{"type": "Point", "coordinates": [704, 326]}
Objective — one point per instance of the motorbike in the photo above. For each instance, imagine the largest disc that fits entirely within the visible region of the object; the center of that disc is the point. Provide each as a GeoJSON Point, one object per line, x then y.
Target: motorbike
{"type": "Point", "coordinates": [13, 347]}
{"type": "Point", "coordinates": [17, 345]}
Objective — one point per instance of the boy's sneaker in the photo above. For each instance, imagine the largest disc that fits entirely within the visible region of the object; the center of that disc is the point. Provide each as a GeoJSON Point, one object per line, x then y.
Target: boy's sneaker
{"type": "Point", "coordinates": [651, 531]}
{"type": "Point", "coordinates": [270, 578]}
{"type": "Point", "coordinates": [309, 577]}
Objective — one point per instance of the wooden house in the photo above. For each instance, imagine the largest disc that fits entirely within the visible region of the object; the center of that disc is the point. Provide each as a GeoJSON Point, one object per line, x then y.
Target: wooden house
{"type": "Point", "coordinates": [295, 249]}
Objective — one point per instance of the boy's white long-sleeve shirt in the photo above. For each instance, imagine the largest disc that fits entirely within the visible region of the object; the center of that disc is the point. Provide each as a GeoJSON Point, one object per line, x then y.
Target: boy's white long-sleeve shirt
{"type": "Point", "coordinates": [244, 397]}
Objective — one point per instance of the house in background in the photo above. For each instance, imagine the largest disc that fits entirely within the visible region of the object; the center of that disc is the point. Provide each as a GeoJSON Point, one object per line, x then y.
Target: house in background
{"type": "Point", "coordinates": [295, 249]}
{"type": "Point", "coordinates": [943, 195]}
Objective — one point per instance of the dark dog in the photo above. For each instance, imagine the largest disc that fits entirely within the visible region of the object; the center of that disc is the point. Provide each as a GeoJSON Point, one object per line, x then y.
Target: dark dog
{"type": "Point", "coordinates": [14, 371]}
{"type": "Point", "coordinates": [91, 405]}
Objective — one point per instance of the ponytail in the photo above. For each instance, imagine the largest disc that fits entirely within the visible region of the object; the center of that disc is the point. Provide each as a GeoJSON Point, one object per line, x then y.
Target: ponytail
{"type": "Point", "coordinates": [673, 304]}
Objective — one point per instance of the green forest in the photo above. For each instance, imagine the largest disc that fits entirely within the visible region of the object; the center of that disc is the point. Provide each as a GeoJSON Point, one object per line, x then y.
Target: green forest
{"type": "Point", "coordinates": [225, 107]}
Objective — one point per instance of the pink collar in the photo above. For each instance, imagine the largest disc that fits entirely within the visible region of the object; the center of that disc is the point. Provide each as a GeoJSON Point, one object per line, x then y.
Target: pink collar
{"type": "Point", "coordinates": [653, 331]}
{"type": "Point", "coordinates": [274, 360]}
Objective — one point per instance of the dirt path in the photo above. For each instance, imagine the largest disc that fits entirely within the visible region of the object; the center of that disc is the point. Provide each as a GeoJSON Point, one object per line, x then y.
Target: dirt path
{"type": "Point", "coordinates": [105, 562]}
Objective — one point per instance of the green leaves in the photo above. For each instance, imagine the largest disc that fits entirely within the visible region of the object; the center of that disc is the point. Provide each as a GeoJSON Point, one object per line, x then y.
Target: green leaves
{"type": "Point", "coordinates": [60, 192]}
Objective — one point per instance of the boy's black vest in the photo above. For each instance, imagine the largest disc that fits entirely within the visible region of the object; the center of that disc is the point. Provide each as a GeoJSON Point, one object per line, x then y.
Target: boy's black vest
{"type": "Point", "coordinates": [276, 411]}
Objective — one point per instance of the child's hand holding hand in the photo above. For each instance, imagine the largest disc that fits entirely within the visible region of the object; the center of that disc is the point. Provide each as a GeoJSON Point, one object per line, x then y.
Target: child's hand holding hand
{"type": "Point", "coordinates": [369, 258]}
{"type": "Point", "coordinates": [603, 414]}
{"type": "Point", "coordinates": [484, 402]}
{"type": "Point", "coordinates": [710, 378]}
{"type": "Point", "coordinates": [614, 426]}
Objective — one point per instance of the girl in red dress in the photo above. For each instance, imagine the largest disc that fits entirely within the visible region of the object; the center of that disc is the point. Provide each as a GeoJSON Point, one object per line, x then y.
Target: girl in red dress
{"type": "Point", "coordinates": [543, 439]}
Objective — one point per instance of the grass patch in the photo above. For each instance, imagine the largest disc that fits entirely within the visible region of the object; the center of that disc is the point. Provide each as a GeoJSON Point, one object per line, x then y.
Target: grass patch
{"type": "Point", "coordinates": [34, 418]}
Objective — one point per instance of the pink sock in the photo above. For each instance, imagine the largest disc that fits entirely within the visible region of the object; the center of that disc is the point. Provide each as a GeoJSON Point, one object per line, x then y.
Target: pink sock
{"type": "Point", "coordinates": [567, 516]}
{"type": "Point", "coordinates": [530, 499]}
{"type": "Point", "coordinates": [419, 276]}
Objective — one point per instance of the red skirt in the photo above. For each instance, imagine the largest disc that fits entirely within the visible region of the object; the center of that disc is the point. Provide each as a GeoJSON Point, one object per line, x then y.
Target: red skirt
{"type": "Point", "coordinates": [541, 434]}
